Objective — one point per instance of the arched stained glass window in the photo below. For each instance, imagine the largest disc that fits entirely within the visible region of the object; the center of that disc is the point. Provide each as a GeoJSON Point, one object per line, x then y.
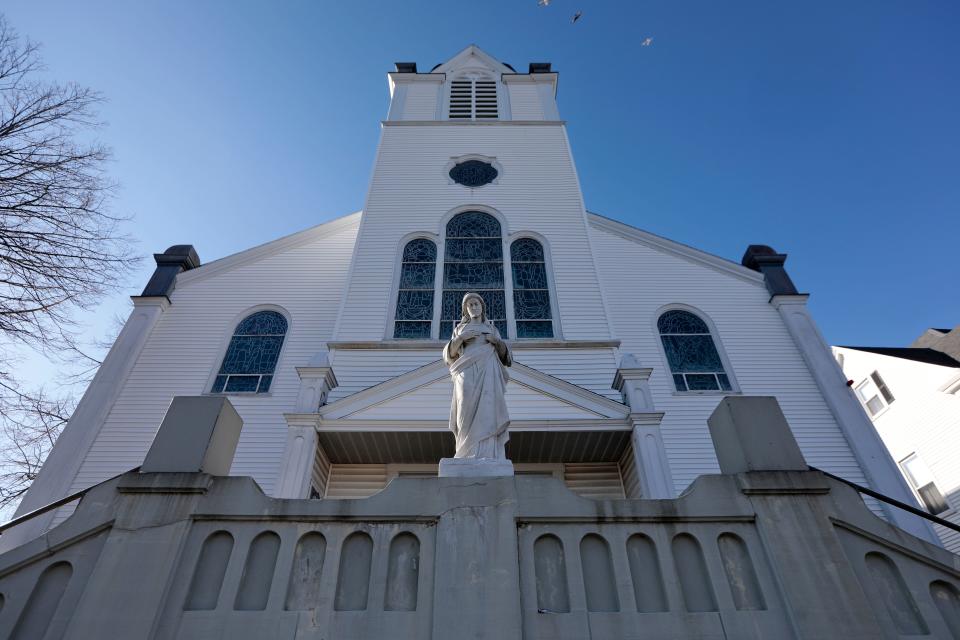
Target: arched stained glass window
{"type": "Point", "coordinates": [252, 354]}
{"type": "Point", "coordinates": [473, 261]}
{"type": "Point", "coordinates": [415, 298]}
{"type": "Point", "coordinates": [531, 294]}
{"type": "Point", "coordinates": [691, 352]}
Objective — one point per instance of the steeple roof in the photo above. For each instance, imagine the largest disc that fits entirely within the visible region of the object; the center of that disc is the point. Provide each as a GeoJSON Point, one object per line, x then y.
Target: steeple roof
{"type": "Point", "coordinates": [473, 57]}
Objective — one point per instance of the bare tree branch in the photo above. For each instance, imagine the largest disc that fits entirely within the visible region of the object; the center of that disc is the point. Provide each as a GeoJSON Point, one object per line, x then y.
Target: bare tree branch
{"type": "Point", "coordinates": [61, 249]}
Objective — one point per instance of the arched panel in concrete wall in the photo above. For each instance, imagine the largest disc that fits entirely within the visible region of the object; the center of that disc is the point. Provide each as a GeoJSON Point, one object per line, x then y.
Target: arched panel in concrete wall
{"type": "Point", "coordinates": [403, 573]}
{"type": "Point", "coordinates": [692, 571]}
{"type": "Point", "coordinates": [599, 582]}
{"type": "Point", "coordinates": [900, 604]}
{"type": "Point", "coordinates": [208, 574]}
{"type": "Point", "coordinates": [550, 570]}
{"type": "Point", "coordinates": [258, 571]}
{"type": "Point", "coordinates": [303, 590]}
{"type": "Point", "coordinates": [947, 598]}
{"type": "Point", "coordinates": [646, 574]}
{"type": "Point", "coordinates": [44, 600]}
{"type": "Point", "coordinates": [741, 576]}
{"type": "Point", "coordinates": [353, 579]}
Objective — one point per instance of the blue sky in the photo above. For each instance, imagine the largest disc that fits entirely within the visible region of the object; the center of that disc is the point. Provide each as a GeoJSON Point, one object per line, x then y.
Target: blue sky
{"type": "Point", "coordinates": [828, 130]}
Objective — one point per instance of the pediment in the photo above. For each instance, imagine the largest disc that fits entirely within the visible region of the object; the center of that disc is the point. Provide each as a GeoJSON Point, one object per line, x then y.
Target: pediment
{"type": "Point", "coordinates": [473, 58]}
{"type": "Point", "coordinates": [424, 394]}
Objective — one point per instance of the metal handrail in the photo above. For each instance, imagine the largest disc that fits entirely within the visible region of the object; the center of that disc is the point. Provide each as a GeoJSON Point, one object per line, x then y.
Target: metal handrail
{"type": "Point", "coordinates": [57, 503]}
{"type": "Point", "coordinates": [902, 505]}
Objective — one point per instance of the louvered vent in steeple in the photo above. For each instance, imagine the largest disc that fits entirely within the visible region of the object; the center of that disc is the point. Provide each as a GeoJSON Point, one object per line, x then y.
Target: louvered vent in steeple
{"type": "Point", "coordinates": [461, 99]}
{"type": "Point", "coordinates": [473, 99]}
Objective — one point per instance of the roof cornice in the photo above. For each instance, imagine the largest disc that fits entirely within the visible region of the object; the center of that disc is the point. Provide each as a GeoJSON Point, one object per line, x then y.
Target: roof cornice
{"type": "Point", "coordinates": [678, 249]}
{"type": "Point", "coordinates": [270, 248]}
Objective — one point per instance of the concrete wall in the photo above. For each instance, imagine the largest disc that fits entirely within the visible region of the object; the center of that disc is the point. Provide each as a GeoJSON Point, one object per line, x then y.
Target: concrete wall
{"type": "Point", "coordinates": [748, 554]}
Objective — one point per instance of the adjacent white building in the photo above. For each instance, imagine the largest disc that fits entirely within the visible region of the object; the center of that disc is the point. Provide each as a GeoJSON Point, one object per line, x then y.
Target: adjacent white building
{"type": "Point", "coordinates": [912, 395]}
{"type": "Point", "coordinates": [328, 341]}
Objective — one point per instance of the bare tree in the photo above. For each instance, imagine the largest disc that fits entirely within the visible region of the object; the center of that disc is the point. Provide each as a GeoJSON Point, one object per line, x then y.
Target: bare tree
{"type": "Point", "coordinates": [31, 424]}
{"type": "Point", "coordinates": [61, 248]}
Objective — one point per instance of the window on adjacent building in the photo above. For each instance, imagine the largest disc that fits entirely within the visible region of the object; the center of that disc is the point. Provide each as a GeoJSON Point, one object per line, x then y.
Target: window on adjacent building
{"type": "Point", "coordinates": [920, 478]}
{"type": "Point", "coordinates": [473, 97]}
{"type": "Point", "coordinates": [531, 293]}
{"type": "Point", "coordinates": [252, 354]}
{"type": "Point", "coordinates": [473, 261]}
{"type": "Point", "coordinates": [414, 315]}
{"type": "Point", "coordinates": [874, 394]}
{"type": "Point", "coordinates": [691, 352]}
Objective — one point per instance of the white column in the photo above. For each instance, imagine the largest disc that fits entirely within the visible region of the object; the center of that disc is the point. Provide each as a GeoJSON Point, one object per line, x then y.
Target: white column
{"type": "Point", "coordinates": [298, 458]}
{"type": "Point", "coordinates": [316, 381]}
{"type": "Point", "coordinates": [55, 479]}
{"type": "Point", "coordinates": [874, 459]}
{"type": "Point", "coordinates": [649, 454]}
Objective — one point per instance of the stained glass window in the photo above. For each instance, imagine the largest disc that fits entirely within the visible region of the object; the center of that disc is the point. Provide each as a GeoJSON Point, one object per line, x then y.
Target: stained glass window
{"type": "Point", "coordinates": [531, 294]}
{"type": "Point", "coordinates": [252, 354]}
{"type": "Point", "coordinates": [473, 261]}
{"type": "Point", "coordinates": [414, 315]}
{"type": "Point", "coordinates": [691, 353]}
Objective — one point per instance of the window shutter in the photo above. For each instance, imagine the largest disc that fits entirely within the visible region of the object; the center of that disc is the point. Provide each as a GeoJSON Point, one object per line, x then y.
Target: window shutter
{"type": "Point", "coordinates": [461, 99]}
{"type": "Point", "coordinates": [486, 99]}
{"type": "Point", "coordinates": [473, 99]}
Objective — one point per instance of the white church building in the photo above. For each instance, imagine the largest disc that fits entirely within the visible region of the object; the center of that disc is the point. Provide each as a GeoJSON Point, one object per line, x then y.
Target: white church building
{"type": "Point", "coordinates": [328, 341]}
{"type": "Point", "coordinates": [258, 455]}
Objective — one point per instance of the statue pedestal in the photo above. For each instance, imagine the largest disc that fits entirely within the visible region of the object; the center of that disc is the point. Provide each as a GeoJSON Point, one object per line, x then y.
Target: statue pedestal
{"type": "Point", "coordinates": [474, 467]}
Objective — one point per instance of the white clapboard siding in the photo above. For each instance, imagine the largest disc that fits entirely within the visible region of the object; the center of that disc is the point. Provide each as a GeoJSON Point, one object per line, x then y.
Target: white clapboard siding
{"type": "Point", "coordinates": [189, 340]}
{"type": "Point", "coordinates": [628, 472]}
{"type": "Point", "coordinates": [421, 101]}
{"type": "Point", "coordinates": [359, 369]}
{"type": "Point", "coordinates": [592, 369]}
{"type": "Point", "coordinates": [432, 402]}
{"type": "Point", "coordinates": [356, 480]}
{"type": "Point", "coordinates": [320, 474]}
{"type": "Point", "coordinates": [763, 357]}
{"type": "Point", "coordinates": [922, 420]}
{"type": "Point", "coordinates": [598, 480]}
{"type": "Point", "coordinates": [409, 192]}
{"type": "Point", "coordinates": [525, 103]}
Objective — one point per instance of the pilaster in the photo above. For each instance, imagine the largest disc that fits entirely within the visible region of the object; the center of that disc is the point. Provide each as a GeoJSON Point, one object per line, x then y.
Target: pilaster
{"type": "Point", "coordinates": [316, 381]}
{"type": "Point", "coordinates": [874, 459]}
{"type": "Point", "coordinates": [57, 474]}
{"type": "Point", "coordinates": [650, 456]}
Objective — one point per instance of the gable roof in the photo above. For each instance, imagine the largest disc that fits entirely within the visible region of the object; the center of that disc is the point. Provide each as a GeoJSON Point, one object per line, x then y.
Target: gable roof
{"type": "Point", "coordinates": [654, 241]}
{"type": "Point", "coordinates": [462, 58]}
{"type": "Point", "coordinates": [917, 354]}
{"type": "Point", "coordinates": [416, 390]}
{"type": "Point", "coordinates": [270, 248]}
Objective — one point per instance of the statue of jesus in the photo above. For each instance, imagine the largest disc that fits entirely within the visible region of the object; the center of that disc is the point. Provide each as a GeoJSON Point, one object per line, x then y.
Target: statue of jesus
{"type": "Point", "coordinates": [478, 357]}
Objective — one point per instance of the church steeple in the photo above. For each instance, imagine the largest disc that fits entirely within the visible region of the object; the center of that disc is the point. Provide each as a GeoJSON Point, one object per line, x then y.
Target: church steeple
{"type": "Point", "coordinates": [473, 86]}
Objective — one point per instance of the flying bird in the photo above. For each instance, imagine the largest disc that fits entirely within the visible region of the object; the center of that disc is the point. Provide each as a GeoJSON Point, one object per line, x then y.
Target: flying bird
{"type": "Point", "coordinates": [646, 42]}
{"type": "Point", "coordinates": [543, 3]}
{"type": "Point", "coordinates": [576, 17]}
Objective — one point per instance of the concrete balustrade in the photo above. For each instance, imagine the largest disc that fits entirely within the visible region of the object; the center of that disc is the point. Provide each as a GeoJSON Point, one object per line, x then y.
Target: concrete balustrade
{"type": "Point", "coordinates": [765, 550]}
